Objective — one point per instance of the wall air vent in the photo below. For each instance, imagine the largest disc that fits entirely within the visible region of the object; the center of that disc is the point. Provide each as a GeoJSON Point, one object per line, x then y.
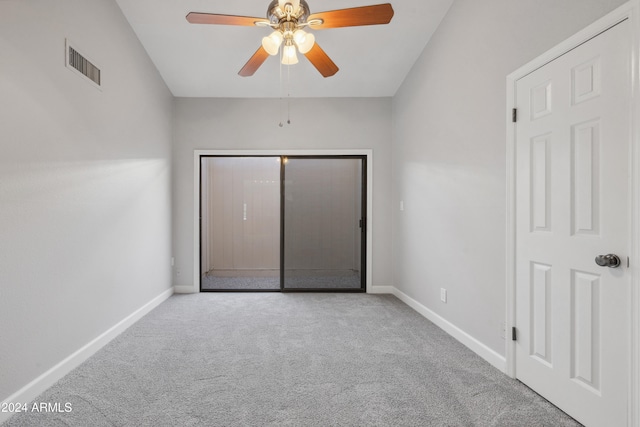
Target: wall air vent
{"type": "Point", "coordinates": [79, 64]}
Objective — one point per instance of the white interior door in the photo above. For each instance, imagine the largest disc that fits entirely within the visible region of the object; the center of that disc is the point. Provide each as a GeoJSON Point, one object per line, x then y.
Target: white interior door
{"type": "Point", "coordinates": [572, 204]}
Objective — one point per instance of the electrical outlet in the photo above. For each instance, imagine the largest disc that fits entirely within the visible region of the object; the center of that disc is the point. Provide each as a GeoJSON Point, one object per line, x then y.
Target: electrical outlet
{"type": "Point", "coordinates": [401, 205]}
{"type": "Point", "coordinates": [173, 261]}
{"type": "Point", "coordinates": [503, 330]}
{"type": "Point", "coordinates": [443, 295]}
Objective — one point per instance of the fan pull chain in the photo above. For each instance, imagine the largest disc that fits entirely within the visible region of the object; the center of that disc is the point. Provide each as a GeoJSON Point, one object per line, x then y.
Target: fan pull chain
{"type": "Point", "coordinates": [288, 94]}
{"type": "Point", "coordinates": [281, 89]}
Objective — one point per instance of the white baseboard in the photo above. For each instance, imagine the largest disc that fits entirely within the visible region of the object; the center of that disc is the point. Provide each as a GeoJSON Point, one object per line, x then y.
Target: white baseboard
{"type": "Point", "coordinates": [184, 290]}
{"type": "Point", "coordinates": [36, 387]}
{"type": "Point", "coordinates": [494, 358]}
{"type": "Point", "coordinates": [381, 290]}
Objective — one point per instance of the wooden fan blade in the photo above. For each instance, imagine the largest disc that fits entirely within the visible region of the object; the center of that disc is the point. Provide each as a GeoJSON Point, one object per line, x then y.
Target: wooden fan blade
{"type": "Point", "coordinates": [321, 61]}
{"type": "Point", "coordinates": [254, 62]}
{"type": "Point", "coordinates": [365, 15]}
{"type": "Point", "coordinates": [215, 19]}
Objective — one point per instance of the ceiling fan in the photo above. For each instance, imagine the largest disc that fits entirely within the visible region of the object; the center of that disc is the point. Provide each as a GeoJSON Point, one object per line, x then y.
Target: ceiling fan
{"type": "Point", "coordinates": [288, 18]}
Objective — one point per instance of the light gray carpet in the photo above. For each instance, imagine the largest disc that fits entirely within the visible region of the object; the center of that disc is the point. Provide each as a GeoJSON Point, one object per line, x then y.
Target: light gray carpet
{"type": "Point", "coordinates": [210, 282]}
{"type": "Point", "coordinates": [322, 282]}
{"type": "Point", "coordinates": [289, 360]}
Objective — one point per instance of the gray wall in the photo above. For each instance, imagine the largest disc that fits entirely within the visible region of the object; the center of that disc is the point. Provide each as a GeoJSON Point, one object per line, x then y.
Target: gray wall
{"type": "Point", "coordinates": [84, 183]}
{"type": "Point", "coordinates": [252, 124]}
{"type": "Point", "coordinates": [449, 121]}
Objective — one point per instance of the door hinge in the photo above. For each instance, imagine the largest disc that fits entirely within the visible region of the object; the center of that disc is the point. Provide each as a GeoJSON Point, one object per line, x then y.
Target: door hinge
{"type": "Point", "coordinates": [514, 334]}
{"type": "Point", "coordinates": [514, 115]}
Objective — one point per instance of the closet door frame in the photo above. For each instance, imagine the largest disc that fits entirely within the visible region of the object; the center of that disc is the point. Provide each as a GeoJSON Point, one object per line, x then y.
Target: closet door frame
{"type": "Point", "coordinates": [367, 159]}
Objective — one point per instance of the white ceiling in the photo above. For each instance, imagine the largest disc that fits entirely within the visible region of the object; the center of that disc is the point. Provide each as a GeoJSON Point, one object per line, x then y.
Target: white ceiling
{"type": "Point", "coordinates": [204, 60]}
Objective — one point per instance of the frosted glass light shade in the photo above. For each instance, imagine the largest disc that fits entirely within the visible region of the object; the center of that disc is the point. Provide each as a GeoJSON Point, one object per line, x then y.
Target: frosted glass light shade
{"type": "Point", "coordinates": [272, 43]}
{"type": "Point", "coordinates": [289, 56]}
{"type": "Point", "coordinates": [294, 3]}
{"type": "Point", "coordinates": [304, 41]}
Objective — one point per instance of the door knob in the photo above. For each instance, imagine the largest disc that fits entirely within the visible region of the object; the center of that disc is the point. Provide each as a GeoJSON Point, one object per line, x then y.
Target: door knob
{"type": "Point", "coordinates": [610, 260]}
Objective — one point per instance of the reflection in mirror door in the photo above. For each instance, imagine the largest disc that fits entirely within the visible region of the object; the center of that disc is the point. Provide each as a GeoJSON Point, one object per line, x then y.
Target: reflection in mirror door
{"type": "Point", "coordinates": [323, 223]}
{"type": "Point", "coordinates": [240, 223]}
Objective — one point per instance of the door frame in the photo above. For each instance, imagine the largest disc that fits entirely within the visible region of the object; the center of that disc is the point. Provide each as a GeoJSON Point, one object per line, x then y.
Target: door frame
{"type": "Point", "coordinates": [628, 11]}
{"type": "Point", "coordinates": [366, 153]}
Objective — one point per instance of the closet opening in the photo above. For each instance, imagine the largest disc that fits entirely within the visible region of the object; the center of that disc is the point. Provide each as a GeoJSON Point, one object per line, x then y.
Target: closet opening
{"type": "Point", "coordinates": [283, 223]}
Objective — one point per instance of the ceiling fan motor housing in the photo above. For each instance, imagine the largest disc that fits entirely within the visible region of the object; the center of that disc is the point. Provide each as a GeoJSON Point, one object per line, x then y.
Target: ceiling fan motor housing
{"type": "Point", "coordinates": [276, 15]}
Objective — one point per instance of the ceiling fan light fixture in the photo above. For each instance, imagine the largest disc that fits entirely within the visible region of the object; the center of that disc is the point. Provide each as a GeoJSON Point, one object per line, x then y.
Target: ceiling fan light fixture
{"type": "Point", "coordinates": [304, 41]}
{"type": "Point", "coordinates": [272, 42]}
{"type": "Point", "coordinates": [289, 56]}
